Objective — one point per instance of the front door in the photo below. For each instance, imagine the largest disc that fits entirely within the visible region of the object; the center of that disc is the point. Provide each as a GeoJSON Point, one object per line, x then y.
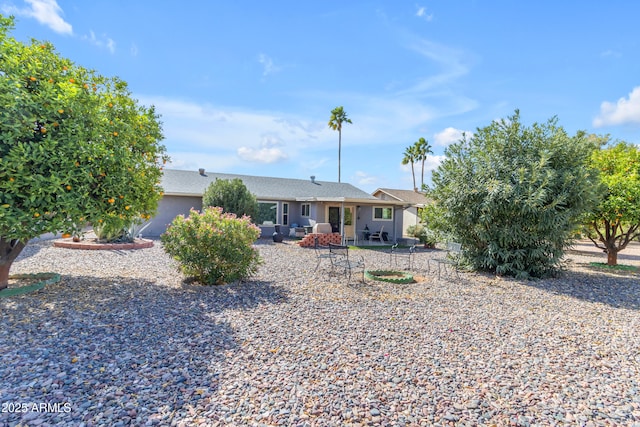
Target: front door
{"type": "Point", "coordinates": [334, 218]}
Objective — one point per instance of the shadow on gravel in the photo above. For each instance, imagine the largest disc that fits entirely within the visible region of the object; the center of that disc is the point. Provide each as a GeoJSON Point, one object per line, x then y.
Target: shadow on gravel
{"type": "Point", "coordinates": [120, 349]}
{"type": "Point", "coordinates": [619, 291]}
{"type": "Point", "coordinates": [32, 248]}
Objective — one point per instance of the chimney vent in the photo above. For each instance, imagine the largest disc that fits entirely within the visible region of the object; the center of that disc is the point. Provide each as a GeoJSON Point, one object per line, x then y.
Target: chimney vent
{"type": "Point", "coordinates": [313, 179]}
{"type": "Point", "coordinates": [201, 170]}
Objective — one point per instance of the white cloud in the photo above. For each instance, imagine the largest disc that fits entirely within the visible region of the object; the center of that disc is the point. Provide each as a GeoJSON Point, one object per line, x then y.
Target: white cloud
{"type": "Point", "coordinates": [363, 178]}
{"type": "Point", "coordinates": [245, 135]}
{"type": "Point", "coordinates": [134, 49]}
{"type": "Point", "coordinates": [453, 64]}
{"type": "Point", "coordinates": [625, 111]}
{"type": "Point", "coordinates": [268, 151]}
{"type": "Point", "coordinates": [104, 42]}
{"type": "Point", "coordinates": [49, 13]}
{"type": "Point", "coordinates": [268, 67]}
{"type": "Point", "coordinates": [610, 54]}
{"type": "Point", "coordinates": [46, 12]}
{"type": "Point", "coordinates": [449, 136]}
{"type": "Point", "coordinates": [196, 160]}
{"type": "Point", "coordinates": [111, 45]}
{"type": "Point", "coordinates": [262, 155]}
{"type": "Point", "coordinates": [433, 162]}
{"type": "Point", "coordinates": [422, 13]}
{"type": "Point", "coordinates": [313, 164]}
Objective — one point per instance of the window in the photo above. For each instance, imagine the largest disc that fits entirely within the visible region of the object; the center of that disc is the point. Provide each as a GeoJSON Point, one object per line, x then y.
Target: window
{"type": "Point", "coordinates": [267, 212]}
{"type": "Point", "coordinates": [382, 214]}
{"type": "Point", "coordinates": [305, 209]}
{"type": "Point", "coordinates": [285, 214]}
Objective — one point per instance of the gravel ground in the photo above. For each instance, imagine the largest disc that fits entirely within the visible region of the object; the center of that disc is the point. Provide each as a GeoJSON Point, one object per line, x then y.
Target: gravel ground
{"type": "Point", "coordinates": [121, 340]}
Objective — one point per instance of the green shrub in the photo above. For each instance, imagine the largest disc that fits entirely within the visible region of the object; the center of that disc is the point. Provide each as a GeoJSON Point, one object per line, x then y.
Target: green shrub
{"type": "Point", "coordinates": [425, 235]}
{"type": "Point", "coordinates": [232, 196]}
{"type": "Point", "coordinates": [213, 247]}
{"type": "Point", "coordinates": [514, 195]}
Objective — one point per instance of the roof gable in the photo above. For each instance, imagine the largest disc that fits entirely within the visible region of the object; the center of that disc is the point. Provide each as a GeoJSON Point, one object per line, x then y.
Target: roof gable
{"type": "Point", "coordinates": [407, 196]}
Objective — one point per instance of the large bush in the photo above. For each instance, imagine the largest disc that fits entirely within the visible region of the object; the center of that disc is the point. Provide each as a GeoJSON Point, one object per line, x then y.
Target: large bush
{"type": "Point", "coordinates": [232, 196]}
{"type": "Point", "coordinates": [513, 195]}
{"type": "Point", "coordinates": [213, 247]}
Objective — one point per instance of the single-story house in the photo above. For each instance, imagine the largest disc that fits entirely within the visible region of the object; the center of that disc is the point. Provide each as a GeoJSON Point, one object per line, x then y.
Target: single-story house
{"type": "Point", "coordinates": [285, 203]}
{"type": "Point", "coordinates": [412, 200]}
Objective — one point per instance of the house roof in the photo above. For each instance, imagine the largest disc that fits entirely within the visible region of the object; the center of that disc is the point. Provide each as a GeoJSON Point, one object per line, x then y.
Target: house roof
{"type": "Point", "coordinates": [191, 183]}
{"type": "Point", "coordinates": [417, 198]}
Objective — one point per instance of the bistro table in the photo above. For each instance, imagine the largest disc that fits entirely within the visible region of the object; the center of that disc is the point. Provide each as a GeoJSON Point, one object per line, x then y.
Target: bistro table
{"type": "Point", "coordinates": [365, 234]}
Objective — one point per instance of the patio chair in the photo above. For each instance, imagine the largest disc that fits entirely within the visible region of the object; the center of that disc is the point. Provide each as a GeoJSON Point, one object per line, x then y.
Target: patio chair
{"type": "Point", "coordinates": [406, 254]}
{"type": "Point", "coordinates": [376, 235]}
{"type": "Point", "coordinates": [451, 258]}
{"type": "Point", "coordinates": [322, 252]}
{"type": "Point", "coordinates": [353, 238]}
{"type": "Point", "coordinates": [342, 261]}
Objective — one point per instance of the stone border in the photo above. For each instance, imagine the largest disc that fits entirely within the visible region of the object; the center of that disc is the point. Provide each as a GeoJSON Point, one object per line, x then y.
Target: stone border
{"type": "Point", "coordinates": [379, 275]}
{"type": "Point", "coordinates": [91, 244]}
{"type": "Point", "coordinates": [49, 278]}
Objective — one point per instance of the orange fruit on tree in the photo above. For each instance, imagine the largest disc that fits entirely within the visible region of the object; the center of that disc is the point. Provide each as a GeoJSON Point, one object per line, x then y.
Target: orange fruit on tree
{"type": "Point", "coordinates": [68, 187]}
{"type": "Point", "coordinates": [111, 200]}
{"type": "Point", "coordinates": [61, 111]}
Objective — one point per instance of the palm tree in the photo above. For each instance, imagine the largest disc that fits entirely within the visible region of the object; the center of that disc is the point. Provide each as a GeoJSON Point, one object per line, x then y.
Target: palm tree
{"type": "Point", "coordinates": [423, 149]}
{"type": "Point", "coordinates": [338, 116]}
{"type": "Point", "coordinates": [410, 154]}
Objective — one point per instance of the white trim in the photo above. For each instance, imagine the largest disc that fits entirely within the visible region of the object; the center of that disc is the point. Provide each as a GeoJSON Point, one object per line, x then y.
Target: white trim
{"type": "Point", "coordinates": [302, 206]}
{"type": "Point", "coordinates": [373, 213]}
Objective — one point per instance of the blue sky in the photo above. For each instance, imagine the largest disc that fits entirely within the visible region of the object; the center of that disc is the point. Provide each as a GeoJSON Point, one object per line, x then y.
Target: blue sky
{"type": "Point", "coordinates": [247, 87]}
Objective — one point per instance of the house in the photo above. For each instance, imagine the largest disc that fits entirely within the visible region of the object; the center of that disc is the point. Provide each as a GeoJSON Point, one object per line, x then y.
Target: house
{"type": "Point", "coordinates": [412, 200]}
{"type": "Point", "coordinates": [285, 203]}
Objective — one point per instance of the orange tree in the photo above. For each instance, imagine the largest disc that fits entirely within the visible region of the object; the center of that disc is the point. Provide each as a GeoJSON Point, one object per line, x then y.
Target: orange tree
{"type": "Point", "coordinates": [125, 168]}
{"type": "Point", "coordinates": [74, 148]}
{"type": "Point", "coordinates": [616, 220]}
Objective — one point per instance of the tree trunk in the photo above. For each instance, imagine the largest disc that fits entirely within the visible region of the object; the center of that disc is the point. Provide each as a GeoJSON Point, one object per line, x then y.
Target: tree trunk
{"type": "Point", "coordinates": [414, 177]}
{"type": "Point", "coordinates": [339, 151]}
{"type": "Point", "coordinates": [612, 257]}
{"type": "Point", "coordinates": [9, 251]}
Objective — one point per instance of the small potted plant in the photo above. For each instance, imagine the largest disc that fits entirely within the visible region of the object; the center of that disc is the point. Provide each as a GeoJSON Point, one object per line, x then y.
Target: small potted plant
{"type": "Point", "coordinates": [429, 238]}
{"type": "Point", "coordinates": [426, 236]}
